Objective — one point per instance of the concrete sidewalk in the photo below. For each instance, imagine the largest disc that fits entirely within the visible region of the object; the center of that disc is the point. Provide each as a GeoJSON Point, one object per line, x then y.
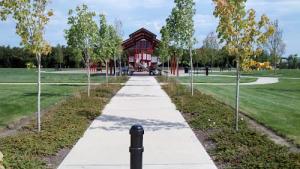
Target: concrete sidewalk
{"type": "Point", "coordinates": [169, 142]}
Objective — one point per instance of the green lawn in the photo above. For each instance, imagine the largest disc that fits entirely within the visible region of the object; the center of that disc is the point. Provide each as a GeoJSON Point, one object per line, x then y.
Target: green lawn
{"type": "Point", "coordinates": [285, 73]}
{"type": "Point", "coordinates": [30, 76]}
{"type": "Point", "coordinates": [275, 105]}
{"type": "Point", "coordinates": [18, 101]}
{"type": "Point", "coordinates": [216, 79]}
{"type": "Point", "coordinates": [212, 122]}
{"type": "Point", "coordinates": [62, 126]}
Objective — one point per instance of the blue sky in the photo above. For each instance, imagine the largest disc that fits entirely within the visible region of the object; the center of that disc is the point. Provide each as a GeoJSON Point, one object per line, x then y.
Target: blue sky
{"type": "Point", "coordinates": [151, 14]}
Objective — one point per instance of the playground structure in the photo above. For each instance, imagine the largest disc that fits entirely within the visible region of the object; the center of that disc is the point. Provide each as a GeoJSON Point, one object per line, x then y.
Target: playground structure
{"type": "Point", "coordinates": [254, 65]}
{"type": "Point", "coordinates": [140, 50]}
{"type": "Point", "coordinates": [99, 66]}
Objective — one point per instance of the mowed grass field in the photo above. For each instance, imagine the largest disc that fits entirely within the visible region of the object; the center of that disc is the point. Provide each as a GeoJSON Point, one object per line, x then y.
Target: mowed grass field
{"type": "Point", "coordinates": [47, 75]}
{"type": "Point", "coordinates": [284, 73]}
{"type": "Point", "coordinates": [17, 101]}
{"type": "Point", "coordinates": [277, 106]}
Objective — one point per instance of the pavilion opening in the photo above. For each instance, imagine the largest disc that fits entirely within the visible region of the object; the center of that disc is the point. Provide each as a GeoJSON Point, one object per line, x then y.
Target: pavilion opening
{"type": "Point", "coordinates": [141, 49]}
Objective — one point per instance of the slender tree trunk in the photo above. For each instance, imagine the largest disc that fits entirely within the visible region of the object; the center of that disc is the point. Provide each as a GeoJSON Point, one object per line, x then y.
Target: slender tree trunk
{"type": "Point", "coordinates": [197, 68]}
{"type": "Point", "coordinates": [120, 66]}
{"type": "Point", "coordinates": [275, 64]}
{"type": "Point", "coordinates": [163, 67]}
{"type": "Point", "coordinates": [177, 67]}
{"type": "Point", "coordinates": [39, 93]}
{"type": "Point", "coordinates": [237, 104]}
{"type": "Point", "coordinates": [171, 66]}
{"type": "Point", "coordinates": [174, 65]}
{"type": "Point", "coordinates": [168, 67]}
{"type": "Point", "coordinates": [115, 66]}
{"type": "Point", "coordinates": [192, 72]}
{"type": "Point", "coordinates": [110, 67]}
{"type": "Point", "coordinates": [106, 65]}
{"type": "Point", "coordinates": [89, 75]}
{"type": "Point", "coordinates": [211, 62]}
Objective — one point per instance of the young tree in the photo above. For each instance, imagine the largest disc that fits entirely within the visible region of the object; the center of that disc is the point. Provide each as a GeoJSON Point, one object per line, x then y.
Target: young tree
{"type": "Point", "coordinates": [198, 57]}
{"type": "Point", "coordinates": [242, 35]}
{"type": "Point", "coordinates": [293, 61]}
{"type": "Point", "coordinates": [201, 55]}
{"type": "Point", "coordinates": [76, 56]}
{"type": "Point", "coordinates": [120, 32]}
{"type": "Point", "coordinates": [31, 18]}
{"type": "Point", "coordinates": [82, 34]}
{"type": "Point", "coordinates": [188, 35]}
{"type": "Point", "coordinates": [211, 47]}
{"type": "Point", "coordinates": [181, 27]}
{"type": "Point", "coordinates": [103, 43]}
{"type": "Point", "coordinates": [174, 30]}
{"type": "Point", "coordinates": [59, 55]}
{"type": "Point", "coordinates": [116, 44]}
{"type": "Point", "coordinates": [275, 44]}
{"type": "Point", "coordinates": [164, 46]}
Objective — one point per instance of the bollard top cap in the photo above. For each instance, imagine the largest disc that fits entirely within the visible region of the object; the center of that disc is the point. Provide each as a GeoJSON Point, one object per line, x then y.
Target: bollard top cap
{"type": "Point", "coordinates": [137, 129]}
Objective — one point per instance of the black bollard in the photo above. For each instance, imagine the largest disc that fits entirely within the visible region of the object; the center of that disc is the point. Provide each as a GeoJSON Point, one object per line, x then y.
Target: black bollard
{"type": "Point", "coordinates": [206, 71]}
{"type": "Point", "coordinates": [136, 148]}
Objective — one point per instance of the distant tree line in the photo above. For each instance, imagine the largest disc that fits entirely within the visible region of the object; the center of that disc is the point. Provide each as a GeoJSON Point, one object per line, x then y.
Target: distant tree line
{"type": "Point", "coordinates": [60, 57]}
{"type": "Point", "coordinates": [219, 58]}
{"type": "Point", "coordinates": [63, 57]}
{"type": "Point", "coordinates": [14, 57]}
{"type": "Point", "coordinates": [211, 54]}
{"type": "Point", "coordinates": [291, 62]}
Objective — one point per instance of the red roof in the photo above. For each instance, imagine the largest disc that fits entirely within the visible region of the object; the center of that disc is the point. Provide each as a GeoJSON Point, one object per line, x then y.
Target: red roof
{"type": "Point", "coordinates": [142, 30]}
{"type": "Point", "coordinates": [139, 35]}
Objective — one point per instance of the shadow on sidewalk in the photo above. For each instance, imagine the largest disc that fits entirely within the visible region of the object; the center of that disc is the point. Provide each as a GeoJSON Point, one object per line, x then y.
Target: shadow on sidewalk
{"type": "Point", "coordinates": [124, 123]}
{"type": "Point", "coordinates": [134, 95]}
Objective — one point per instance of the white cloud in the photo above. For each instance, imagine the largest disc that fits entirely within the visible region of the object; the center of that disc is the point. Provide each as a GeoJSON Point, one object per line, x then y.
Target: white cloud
{"type": "Point", "coordinates": [202, 20]}
{"type": "Point", "coordinates": [151, 14]}
{"type": "Point", "coordinates": [124, 5]}
{"type": "Point", "coordinates": [275, 8]}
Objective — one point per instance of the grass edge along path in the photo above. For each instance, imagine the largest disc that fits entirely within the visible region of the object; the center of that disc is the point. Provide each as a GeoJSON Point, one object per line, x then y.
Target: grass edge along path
{"type": "Point", "coordinates": [62, 127]}
{"type": "Point", "coordinates": [275, 106]}
{"type": "Point", "coordinates": [212, 122]}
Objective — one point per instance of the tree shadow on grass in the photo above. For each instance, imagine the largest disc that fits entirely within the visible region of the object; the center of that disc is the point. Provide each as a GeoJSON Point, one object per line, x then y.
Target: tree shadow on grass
{"type": "Point", "coordinates": [100, 74]}
{"type": "Point", "coordinates": [271, 89]}
{"type": "Point", "coordinates": [118, 123]}
{"type": "Point", "coordinates": [69, 85]}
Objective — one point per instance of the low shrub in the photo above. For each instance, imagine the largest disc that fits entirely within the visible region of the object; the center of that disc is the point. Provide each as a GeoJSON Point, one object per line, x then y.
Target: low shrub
{"type": "Point", "coordinates": [243, 149]}
{"type": "Point", "coordinates": [61, 128]}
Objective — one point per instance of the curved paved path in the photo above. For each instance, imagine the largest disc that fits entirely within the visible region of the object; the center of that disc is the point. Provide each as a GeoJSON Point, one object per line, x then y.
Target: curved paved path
{"type": "Point", "coordinates": [259, 81]}
{"type": "Point", "coordinates": [169, 141]}
{"type": "Point", "coordinates": [263, 81]}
